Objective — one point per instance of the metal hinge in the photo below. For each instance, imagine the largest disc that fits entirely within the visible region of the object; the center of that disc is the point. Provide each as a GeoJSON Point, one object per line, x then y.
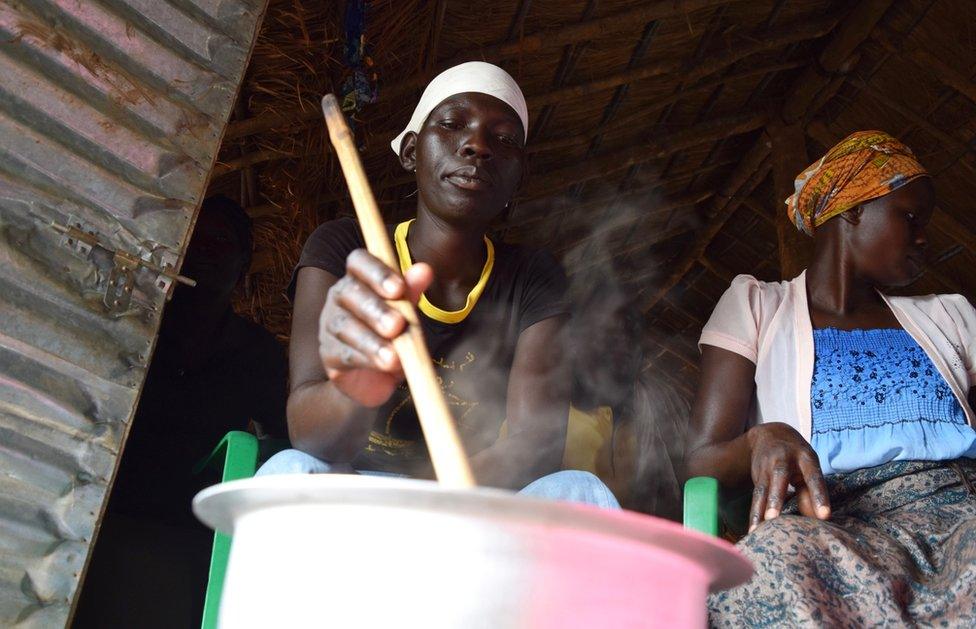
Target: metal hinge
{"type": "Point", "coordinates": [121, 279]}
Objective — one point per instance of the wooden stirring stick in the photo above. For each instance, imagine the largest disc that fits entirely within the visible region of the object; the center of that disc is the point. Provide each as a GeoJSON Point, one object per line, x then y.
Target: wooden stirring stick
{"type": "Point", "coordinates": [446, 452]}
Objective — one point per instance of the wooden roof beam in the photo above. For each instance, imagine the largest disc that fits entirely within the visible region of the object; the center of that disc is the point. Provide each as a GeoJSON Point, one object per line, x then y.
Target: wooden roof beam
{"type": "Point", "coordinates": [789, 151]}
{"type": "Point", "coordinates": [518, 22]}
{"type": "Point", "coordinates": [756, 208]}
{"type": "Point", "coordinates": [680, 384]}
{"type": "Point", "coordinates": [791, 33]}
{"type": "Point", "coordinates": [269, 120]}
{"type": "Point", "coordinates": [834, 58]}
{"type": "Point", "coordinates": [561, 35]}
{"type": "Point", "coordinates": [247, 160]}
{"type": "Point", "coordinates": [750, 172]}
{"type": "Point", "coordinates": [620, 93]}
{"type": "Point", "coordinates": [795, 32]}
{"type": "Point", "coordinates": [717, 269]}
{"type": "Point", "coordinates": [946, 74]}
{"type": "Point", "coordinates": [960, 147]}
{"type": "Point", "coordinates": [572, 53]}
{"type": "Point", "coordinates": [433, 43]}
{"type": "Point", "coordinates": [675, 67]}
{"type": "Point", "coordinates": [655, 148]}
{"type": "Point", "coordinates": [667, 343]}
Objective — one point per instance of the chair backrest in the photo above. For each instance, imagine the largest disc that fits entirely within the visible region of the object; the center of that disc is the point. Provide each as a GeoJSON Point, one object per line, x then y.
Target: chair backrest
{"type": "Point", "coordinates": [236, 456]}
{"type": "Point", "coordinates": [701, 505]}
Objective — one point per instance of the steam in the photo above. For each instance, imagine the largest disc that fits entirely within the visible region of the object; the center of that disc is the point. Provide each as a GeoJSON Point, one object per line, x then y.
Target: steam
{"type": "Point", "coordinates": [611, 258]}
{"type": "Point", "coordinates": [609, 255]}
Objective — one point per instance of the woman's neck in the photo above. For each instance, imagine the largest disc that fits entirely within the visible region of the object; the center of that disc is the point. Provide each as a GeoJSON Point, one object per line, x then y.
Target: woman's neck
{"type": "Point", "coordinates": [837, 294]}
{"type": "Point", "coordinates": [455, 255]}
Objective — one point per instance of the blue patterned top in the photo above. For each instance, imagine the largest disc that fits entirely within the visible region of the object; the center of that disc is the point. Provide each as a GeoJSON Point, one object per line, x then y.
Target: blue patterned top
{"type": "Point", "coordinates": [877, 397]}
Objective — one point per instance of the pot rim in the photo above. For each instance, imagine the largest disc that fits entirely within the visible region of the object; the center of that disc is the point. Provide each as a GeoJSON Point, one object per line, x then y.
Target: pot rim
{"type": "Point", "coordinates": [219, 507]}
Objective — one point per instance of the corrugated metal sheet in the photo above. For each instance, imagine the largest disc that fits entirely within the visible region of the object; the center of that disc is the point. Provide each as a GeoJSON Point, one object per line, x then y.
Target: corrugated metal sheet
{"type": "Point", "coordinates": [110, 115]}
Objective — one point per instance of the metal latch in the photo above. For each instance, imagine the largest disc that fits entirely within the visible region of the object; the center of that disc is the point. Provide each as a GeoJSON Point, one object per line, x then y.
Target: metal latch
{"type": "Point", "coordinates": [121, 280]}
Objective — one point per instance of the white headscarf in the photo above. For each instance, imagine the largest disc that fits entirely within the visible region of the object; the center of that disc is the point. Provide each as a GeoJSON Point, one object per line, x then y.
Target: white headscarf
{"type": "Point", "coordinates": [473, 76]}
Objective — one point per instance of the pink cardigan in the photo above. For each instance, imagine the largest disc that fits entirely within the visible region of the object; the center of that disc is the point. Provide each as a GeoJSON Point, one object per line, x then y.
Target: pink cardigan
{"type": "Point", "coordinates": [769, 323]}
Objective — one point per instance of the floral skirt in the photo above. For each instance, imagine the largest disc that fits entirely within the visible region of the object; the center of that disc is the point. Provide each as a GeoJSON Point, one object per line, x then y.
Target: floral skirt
{"type": "Point", "coordinates": [899, 550]}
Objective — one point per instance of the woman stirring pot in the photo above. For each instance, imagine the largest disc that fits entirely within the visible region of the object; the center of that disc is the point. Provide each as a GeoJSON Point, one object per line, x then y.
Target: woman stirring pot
{"type": "Point", "coordinates": [492, 313]}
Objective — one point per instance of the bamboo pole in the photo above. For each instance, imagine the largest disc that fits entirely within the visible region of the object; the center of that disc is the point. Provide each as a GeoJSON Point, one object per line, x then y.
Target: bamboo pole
{"type": "Point", "coordinates": [446, 451]}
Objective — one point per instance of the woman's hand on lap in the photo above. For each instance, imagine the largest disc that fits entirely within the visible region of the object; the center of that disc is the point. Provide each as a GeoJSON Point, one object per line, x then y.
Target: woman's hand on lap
{"type": "Point", "coordinates": [357, 326]}
{"type": "Point", "coordinates": [781, 457]}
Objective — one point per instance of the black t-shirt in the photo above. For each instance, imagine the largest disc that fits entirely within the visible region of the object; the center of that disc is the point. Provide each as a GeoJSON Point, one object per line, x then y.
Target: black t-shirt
{"type": "Point", "coordinates": [472, 357]}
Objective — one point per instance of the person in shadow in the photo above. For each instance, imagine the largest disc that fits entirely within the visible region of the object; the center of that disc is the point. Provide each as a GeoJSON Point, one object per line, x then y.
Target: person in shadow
{"type": "Point", "coordinates": [213, 371]}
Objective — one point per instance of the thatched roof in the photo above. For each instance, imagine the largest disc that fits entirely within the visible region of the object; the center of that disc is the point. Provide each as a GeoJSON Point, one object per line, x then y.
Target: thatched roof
{"type": "Point", "coordinates": [662, 133]}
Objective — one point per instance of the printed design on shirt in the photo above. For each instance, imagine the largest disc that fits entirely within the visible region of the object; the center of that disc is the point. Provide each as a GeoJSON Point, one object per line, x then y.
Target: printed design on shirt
{"type": "Point", "coordinates": [460, 407]}
{"type": "Point", "coordinates": [390, 445]}
{"type": "Point", "coordinates": [869, 378]}
{"type": "Point", "coordinates": [451, 364]}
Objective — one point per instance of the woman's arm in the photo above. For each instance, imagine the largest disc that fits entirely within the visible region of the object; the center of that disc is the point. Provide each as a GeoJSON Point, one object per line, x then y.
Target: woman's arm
{"type": "Point", "coordinates": [537, 411]}
{"type": "Point", "coordinates": [321, 421]}
{"type": "Point", "coordinates": [768, 457]}
{"type": "Point", "coordinates": [341, 359]}
{"type": "Point", "coordinates": [717, 443]}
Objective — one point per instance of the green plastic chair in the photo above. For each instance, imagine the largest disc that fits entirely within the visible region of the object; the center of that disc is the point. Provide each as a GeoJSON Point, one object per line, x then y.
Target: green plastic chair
{"type": "Point", "coordinates": [710, 511]}
{"type": "Point", "coordinates": [235, 457]}
{"type": "Point", "coordinates": [701, 505]}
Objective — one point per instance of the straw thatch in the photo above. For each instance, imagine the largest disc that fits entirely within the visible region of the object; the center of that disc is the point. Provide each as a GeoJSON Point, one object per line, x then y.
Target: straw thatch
{"type": "Point", "coordinates": [663, 133]}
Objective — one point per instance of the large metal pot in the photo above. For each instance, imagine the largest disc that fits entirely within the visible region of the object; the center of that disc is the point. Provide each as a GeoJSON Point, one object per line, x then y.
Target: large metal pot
{"type": "Point", "coordinates": [360, 551]}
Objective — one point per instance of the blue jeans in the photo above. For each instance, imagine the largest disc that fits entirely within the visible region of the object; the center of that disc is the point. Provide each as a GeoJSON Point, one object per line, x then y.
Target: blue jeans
{"type": "Point", "coordinates": [567, 485]}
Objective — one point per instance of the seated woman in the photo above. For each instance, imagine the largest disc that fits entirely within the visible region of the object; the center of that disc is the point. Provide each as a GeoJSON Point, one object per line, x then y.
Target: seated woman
{"type": "Point", "coordinates": [854, 399]}
{"type": "Point", "coordinates": [492, 313]}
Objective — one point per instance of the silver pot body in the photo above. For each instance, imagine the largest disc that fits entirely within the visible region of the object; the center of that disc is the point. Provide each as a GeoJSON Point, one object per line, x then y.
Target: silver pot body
{"type": "Point", "coordinates": [356, 551]}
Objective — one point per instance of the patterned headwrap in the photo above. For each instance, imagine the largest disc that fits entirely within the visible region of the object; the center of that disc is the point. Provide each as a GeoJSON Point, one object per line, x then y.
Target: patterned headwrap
{"type": "Point", "coordinates": [863, 166]}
